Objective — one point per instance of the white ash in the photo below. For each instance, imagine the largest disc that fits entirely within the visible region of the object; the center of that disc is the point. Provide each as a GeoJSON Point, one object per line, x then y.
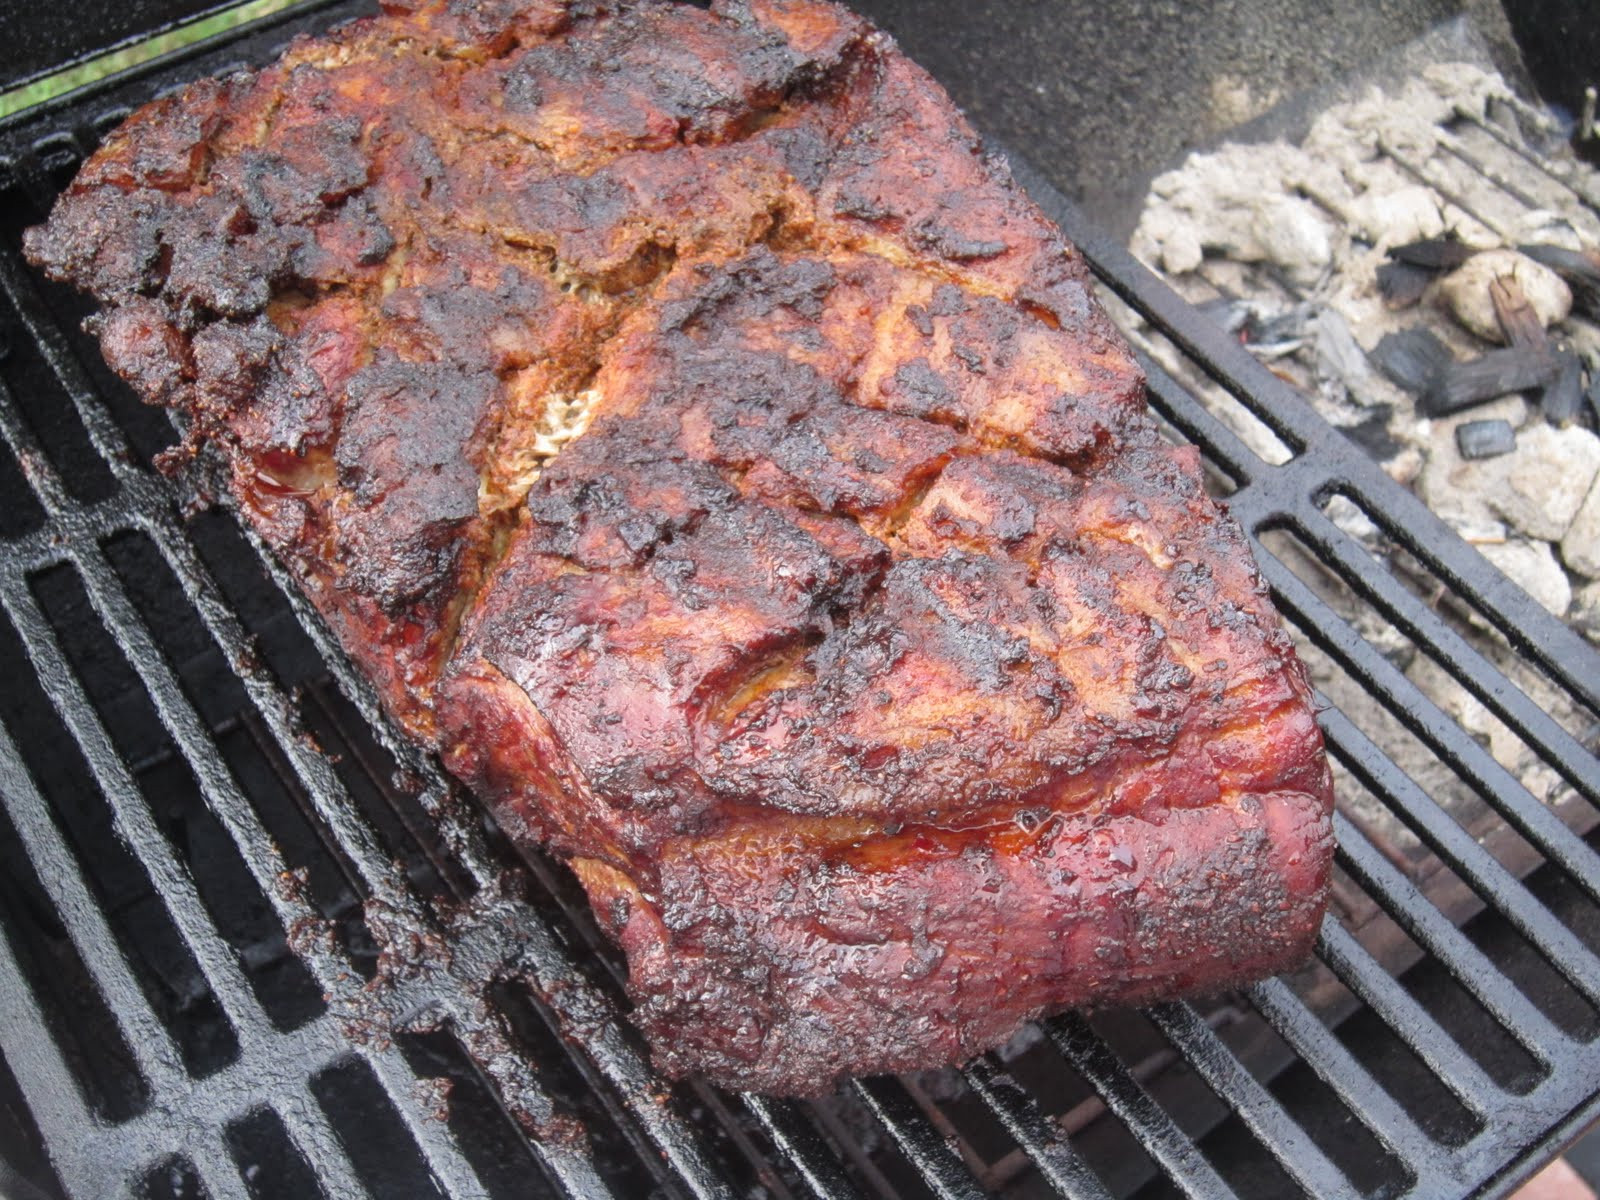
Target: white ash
{"type": "Point", "coordinates": [1299, 231]}
{"type": "Point", "coordinates": [1294, 235]}
{"type": "Point", "coordinates": [1537, 489]}
{"type": "Point", "coordinates": [1580, 547]}
{"type": "Point", "coordinates": [1585, 612]}
{"type": "Point", "coordinates": [1534, 566]}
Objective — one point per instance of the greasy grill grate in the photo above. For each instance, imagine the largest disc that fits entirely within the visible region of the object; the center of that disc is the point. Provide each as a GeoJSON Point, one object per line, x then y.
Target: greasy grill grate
{"type": "Point", "coordinates": [252, 946]}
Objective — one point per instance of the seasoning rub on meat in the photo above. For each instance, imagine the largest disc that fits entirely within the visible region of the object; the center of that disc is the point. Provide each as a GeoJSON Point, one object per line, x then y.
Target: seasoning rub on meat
{"type": "Point", "coordinates": [702, 444]}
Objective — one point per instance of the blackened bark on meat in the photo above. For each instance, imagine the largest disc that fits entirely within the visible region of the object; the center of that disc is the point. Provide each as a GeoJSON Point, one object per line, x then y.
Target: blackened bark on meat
{"type": "Point", "coordinates": [702, 444]}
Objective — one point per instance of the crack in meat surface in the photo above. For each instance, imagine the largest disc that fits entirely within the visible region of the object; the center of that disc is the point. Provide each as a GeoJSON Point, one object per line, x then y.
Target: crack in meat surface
{"type": "Point", "coordinates": [703, 445]}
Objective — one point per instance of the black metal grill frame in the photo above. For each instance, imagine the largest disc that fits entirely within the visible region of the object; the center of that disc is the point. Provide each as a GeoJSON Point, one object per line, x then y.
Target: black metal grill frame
{"type": "Point", "coordinates": [527, 924]}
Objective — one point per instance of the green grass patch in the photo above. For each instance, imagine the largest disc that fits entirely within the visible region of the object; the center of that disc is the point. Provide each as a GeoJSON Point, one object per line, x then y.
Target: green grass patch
{"type": "Point", "coordinates": [113, 61]}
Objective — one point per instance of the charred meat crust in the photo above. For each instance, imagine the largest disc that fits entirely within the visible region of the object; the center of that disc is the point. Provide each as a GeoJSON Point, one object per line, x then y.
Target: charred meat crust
{"type": "Point", "coordinates": [699, 440]}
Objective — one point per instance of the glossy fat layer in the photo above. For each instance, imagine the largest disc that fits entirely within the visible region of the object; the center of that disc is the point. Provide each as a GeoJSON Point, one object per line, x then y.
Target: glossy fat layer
{"type": "Point", "coordinates": [709, 450]}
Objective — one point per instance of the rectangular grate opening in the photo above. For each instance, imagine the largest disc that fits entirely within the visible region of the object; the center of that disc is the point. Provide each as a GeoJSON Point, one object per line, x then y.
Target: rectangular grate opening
{"type": "Point", "coordinates": [1174, 383]}
{"type": "Point", "coordinates": [623, 1157]}
{"type": "Point", "coordinates": [269, 1163]}
{"type": "Point", "coordinates": [48, 415]}
{"type": "Point", "coordinates": [376, 1141]}
{"type": "Point", "coordinates": [1443, 994]}
{"type": "Point", "coordinates": [80, 1023]}
{"type": "Point", "coordinates": [1555, 996]}
{"type": "Point", "coordinates": [1386, 1050]}
{"type": "Point", "coordinates": [489, 1137]}
{"type": "Point", "coordinates": [22, 1149]}
{"type": "Point", "coordinates": [387, 799]}
{"type": "Point", "coordinates": [276, 636]}
{"type": "Point", "coordinates": [1338, 1129]}
{"type": "Point", "coordinates": [20, 511]}
{"type": "Point", "coordinates": [317, 867]}
{"type": "Point", "coordinates": [1399, 576]}
{"type": "Point", "coordinates": [173, 1179]}
{"type": "Point", "coordinates": [1242, 1163]}
{"type": "Point", "coordinates": [58, 156]}
{"type": "Point", "coordinates": [384, 794]}
{"type": "Point", "coordinates": [280, 981]}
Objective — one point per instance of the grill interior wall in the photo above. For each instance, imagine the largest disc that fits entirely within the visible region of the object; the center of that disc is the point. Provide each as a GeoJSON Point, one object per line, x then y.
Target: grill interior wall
{"type": "Point", "coordinates": [251, 941]}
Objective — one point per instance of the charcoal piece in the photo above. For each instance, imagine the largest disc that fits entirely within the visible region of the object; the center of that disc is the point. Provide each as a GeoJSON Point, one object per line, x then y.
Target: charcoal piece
{"type": "Point", "coordinates": [1433, 254]}
{"type": "Point", "coordinates": [1485, 439]}
{"type": "Point", "coordinates": [1580, 268]}
{"type": "Point", "coordinates": [1401, 284]}
{"type": "Point", "coordinates": [1518, 321]}
{"type": "Point", "coordinates": [1495, 374]}
{"type": "Point", "coordinates": [1563, 397]}
{"type": "Point", "coordinates": [1411, 358]}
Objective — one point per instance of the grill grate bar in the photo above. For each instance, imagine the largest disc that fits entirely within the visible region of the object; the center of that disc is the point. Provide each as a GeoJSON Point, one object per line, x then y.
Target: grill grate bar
{"type": "Point", "coordinates": [132, 818]}
{"type": "Point", "coordinates": [221, 794]}
{"type": "Point", "coordinates": [1541, 827]}
{"type": "Point", "coordinates": [1558, 650]}
{"type": "Point", "coordinates": [347, 826]}
{"type": "Point", "coordinates": [219, 1175]}
{"type": "Point", "coordinates": [1430, 929]}
{"type": "Point", "coordinates": [84, 920]}
{"type": "Point", "coordinates": [1156, 1131]}
{"type": "Point", "coordinates": [1495, 885]}
{"type": "Point", "coordinates": [609, 1061]}
{"type": "Point", "coordinates": [30, 457]}
{"type": "Point", "coordinates": [102, 431]}
{"type": "Point", "coordinates": [52, 1094]}
{"type": "Point", "coordinates": [1199, 424]}
{"type": "Point", "coordinates": [1040, 1137]}
{"type": "Point", "coordinates": [615, 1070]}
{"type": "Point", "coordinates": [941, 1166]}
{"type": "Point", "coordinates": [1301, 1157]}
{"type": "Point", "coordinates": [1354, 964]}
{"type": "Point", "coordinates": [1425, 627]}
{"type": "Point", "coordinates": [1336, 1066]}
{"type": "Point", "coordinates": [802, 1146]}
{"type": "Point", "coordinates": [330, 798]}
{"type": "Point", "coordinates": [432, 1136]}
{"type": "Point", "coordinates": [1517, 148]}
{"type": "Point", "coordinates": [309, 1130]}
{"type": "Point", "coordinates": [1427, 174]}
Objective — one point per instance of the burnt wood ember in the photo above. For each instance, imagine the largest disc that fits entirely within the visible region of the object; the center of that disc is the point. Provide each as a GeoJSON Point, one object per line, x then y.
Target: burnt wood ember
{"type": "Point", "coordinates": [1485, 439]}
{"type": "Point", "coordinates": [1433, 254]}
{"type": "Point", "coordinates": [1402, 284]}
{"type": "Point", "coordinates": [1518, 321]}
{"type": "Point", "coordinates": [709, 451]}
{"type": "Point", "coordinates": [1412, 358]}
{"type": "Point", "coordinates": [1488, 377]}
{"type": "Point", "coordinates": [1562, 401]}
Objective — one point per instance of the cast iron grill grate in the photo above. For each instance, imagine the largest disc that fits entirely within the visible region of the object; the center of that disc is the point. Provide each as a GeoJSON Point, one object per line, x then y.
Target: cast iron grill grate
{"type": "Point", "coordinates": [255, 946]}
